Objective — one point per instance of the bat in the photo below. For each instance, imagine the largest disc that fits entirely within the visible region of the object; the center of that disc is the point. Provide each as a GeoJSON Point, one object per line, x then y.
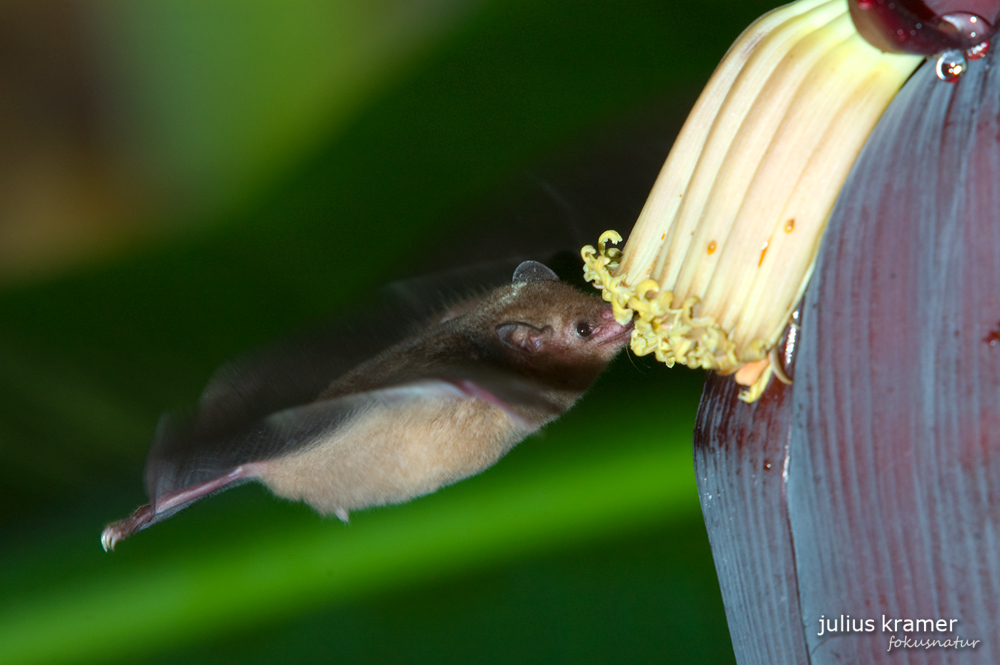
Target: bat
{"type": "Point", "coordinates": [444, 402]}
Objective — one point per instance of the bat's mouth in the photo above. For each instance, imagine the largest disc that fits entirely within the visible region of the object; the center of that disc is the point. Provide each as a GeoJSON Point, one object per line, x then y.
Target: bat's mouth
{"type": "Point", "coordinates": [620, 337]}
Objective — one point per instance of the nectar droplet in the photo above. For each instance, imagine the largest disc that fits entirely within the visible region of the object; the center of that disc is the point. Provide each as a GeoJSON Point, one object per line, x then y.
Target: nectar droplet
{"type": "Point", "coordinates": [950, 65]}
{"type": "Point", "coordinates": [711, 247]}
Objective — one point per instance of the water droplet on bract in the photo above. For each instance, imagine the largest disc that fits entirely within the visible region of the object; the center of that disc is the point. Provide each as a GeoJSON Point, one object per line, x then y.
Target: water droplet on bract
{"type": "Point", "coordinates": [993, 338]}
{"type": "Point", "coordinates": [950, 65]}
{"type": "Point", "coordinates": [965, 29]}
{"type": "Point", "coordinates": [978, 51]}
{"type": "Point", "coordinates": [864, 4]}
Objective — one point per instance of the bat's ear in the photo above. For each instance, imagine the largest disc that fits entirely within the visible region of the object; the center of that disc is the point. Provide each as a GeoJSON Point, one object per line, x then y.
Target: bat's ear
{"type": "Point", "coordinates": [533, 271]}
{"type": "Point", "coordinates": [521, 336]}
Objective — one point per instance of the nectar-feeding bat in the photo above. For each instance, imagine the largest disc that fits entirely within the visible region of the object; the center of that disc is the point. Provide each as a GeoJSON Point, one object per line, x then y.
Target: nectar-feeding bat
{"type": "Point", "coordinates": [440, 405]}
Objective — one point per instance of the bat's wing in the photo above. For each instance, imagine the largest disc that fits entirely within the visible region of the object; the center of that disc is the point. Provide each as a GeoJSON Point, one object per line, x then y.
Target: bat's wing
{"type": "Point", "coordinates": [194, 457]}
{"type": "Point", "coordinates": [292, 373]}
{"type": "Point", "coordinates": [188, 462]}
{"type": "Point", "coordinates": [184, 455]}
{"type": "Point", "coordinates": [296, 371]}
{"type": "Point", "coordinates": [546, 215]}
{"type": "Point", "coordinates": [265, 405]}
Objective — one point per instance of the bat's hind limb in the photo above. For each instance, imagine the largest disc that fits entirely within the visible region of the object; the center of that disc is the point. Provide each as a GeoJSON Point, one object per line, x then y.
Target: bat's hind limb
{"type": "Point", "coordinates": [122, 529]}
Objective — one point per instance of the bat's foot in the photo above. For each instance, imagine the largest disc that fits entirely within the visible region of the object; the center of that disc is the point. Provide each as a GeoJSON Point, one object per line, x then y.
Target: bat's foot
{"type": "Point", "coordinates": [122, 529]}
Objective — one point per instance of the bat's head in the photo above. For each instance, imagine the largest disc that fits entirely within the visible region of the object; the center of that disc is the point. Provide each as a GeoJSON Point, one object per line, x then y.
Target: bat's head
{"type": "Point", "coordinates": [553, 331]}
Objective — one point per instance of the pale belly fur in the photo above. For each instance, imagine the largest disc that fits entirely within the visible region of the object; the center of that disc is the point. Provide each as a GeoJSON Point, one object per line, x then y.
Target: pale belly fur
{"type": "Point", "coordinates": [393, 454]}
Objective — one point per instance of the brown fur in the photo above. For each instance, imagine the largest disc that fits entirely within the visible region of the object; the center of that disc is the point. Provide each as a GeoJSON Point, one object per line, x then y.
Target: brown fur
{"type": "Point", "coordinates": [393, 453]}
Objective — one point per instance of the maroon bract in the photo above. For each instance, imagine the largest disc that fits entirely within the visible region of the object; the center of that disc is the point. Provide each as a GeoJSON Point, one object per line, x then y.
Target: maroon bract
{"type": "Point", "coordinates": [866, 491]}
{"type": "Point", "coordinates": [926, 28]}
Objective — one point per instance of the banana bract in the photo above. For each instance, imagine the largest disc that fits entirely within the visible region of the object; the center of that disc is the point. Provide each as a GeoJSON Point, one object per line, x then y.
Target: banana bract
{"type": "Point", "coordinates": [722, 250]}
{"type": "Point", "coordinates": [869, 487]}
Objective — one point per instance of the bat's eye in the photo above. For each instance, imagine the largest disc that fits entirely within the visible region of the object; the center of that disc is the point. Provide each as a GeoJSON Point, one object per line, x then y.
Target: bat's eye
{"type": "Point", "coordinates": [583, 329]}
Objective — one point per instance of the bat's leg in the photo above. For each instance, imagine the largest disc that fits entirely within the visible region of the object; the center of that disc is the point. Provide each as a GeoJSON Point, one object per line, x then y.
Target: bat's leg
{"type": "Point", "coordinates": [122, 529]}
{"type": "Point", "coordinates": [174, 501]}
{"type": "Point", "coordinates": [166, 505]}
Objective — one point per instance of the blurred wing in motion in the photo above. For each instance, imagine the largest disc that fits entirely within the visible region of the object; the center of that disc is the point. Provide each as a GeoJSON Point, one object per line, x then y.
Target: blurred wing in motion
{"type": "Point", "coordinates": [186, 463]}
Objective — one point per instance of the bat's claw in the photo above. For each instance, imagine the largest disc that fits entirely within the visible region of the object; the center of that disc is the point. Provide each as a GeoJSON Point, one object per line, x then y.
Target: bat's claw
{"type": "Point", "coordinates": [122, 529]}
{"type": "Point", "coordinates": [108, 539]}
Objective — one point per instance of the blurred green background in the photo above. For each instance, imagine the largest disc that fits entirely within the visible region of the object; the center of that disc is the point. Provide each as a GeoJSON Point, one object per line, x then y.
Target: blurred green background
{"type": "Point", "coordinates": [181, 181]}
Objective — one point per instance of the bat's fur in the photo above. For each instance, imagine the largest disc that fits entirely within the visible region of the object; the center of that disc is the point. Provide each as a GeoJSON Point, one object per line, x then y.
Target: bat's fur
{"type": "Point", "coordinates": [393, 453]}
